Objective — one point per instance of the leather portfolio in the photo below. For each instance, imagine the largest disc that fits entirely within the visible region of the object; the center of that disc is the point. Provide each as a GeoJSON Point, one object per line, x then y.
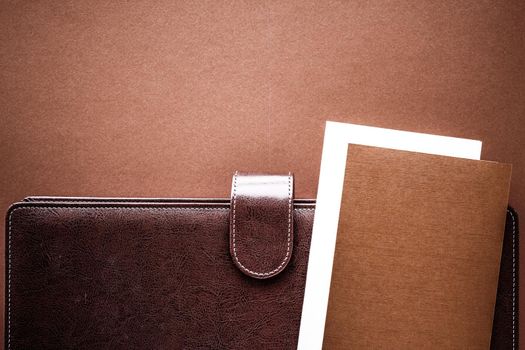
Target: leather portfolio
{"type": "Point", "coordinates": [115, 273]}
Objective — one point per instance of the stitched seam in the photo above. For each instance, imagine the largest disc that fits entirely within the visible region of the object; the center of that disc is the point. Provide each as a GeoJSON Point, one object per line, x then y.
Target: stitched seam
{"type": "Point", "coordinates": [117, 200]}
{"type": "Point", "coordinates": [513, 279]}
{"type": "Point", "coordinates": [126, 207]}
{"type": "Point", "coordinates": [234, 231]}
{"type": "Point", "coordinates": [9, 280]}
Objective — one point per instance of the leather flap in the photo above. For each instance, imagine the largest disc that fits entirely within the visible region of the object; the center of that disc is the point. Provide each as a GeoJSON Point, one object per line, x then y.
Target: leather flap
{"type": "Point", "coordinates": [261, 223]}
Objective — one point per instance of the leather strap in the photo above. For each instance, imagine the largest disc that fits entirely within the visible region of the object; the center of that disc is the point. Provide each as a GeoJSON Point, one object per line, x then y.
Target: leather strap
{"type": "Point", "coordinates": [261, 223]}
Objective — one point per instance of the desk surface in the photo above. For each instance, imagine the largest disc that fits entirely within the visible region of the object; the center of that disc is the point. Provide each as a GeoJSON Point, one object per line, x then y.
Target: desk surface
{"type": "Point", "coordinates": [169, 99]}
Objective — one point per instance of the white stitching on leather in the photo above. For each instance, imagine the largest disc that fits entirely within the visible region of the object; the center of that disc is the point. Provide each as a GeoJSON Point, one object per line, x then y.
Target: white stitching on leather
{"type": "Point", "coordinates": [281, 266]}
{"type": "Point", "coordinates": [9, 280]}
{"type": "Point", "coordinates": [513, 280]}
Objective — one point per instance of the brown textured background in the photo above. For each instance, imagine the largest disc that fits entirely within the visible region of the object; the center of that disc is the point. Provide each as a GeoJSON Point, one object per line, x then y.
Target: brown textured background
{"type": "Point", "coordinates": [168, 98]}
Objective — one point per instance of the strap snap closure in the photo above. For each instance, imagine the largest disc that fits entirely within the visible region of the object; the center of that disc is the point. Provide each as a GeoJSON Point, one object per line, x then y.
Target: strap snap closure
{"type": "Point", "coordinates": [261, 223]}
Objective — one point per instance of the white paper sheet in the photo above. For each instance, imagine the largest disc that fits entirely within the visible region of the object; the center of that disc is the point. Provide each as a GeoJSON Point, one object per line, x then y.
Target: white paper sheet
{"type": "Point", "coordinates": [337, 137]}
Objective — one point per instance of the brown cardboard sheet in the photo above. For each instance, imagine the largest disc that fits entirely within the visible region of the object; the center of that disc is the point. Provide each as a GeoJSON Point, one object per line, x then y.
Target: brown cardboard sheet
{"type": "Point", "coordinates": [418, 250]}
{"type": "Point", "coordinates": [168, 99]}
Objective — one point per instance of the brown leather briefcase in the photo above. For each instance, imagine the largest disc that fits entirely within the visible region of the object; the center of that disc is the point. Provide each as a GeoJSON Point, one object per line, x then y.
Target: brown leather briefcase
{"type": "Point", "coordinates": [114, 273]}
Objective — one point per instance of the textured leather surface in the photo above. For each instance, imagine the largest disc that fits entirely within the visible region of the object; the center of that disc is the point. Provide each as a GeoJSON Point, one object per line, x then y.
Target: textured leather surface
{"type": "Point", "coordinates": [261, 223]}
{"type": "Point", "coordinates": [110, 274]}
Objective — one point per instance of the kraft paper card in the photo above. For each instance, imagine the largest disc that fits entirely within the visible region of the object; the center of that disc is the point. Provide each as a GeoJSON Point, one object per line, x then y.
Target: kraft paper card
{"type": "Point", "coordinates": [417, 251]}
